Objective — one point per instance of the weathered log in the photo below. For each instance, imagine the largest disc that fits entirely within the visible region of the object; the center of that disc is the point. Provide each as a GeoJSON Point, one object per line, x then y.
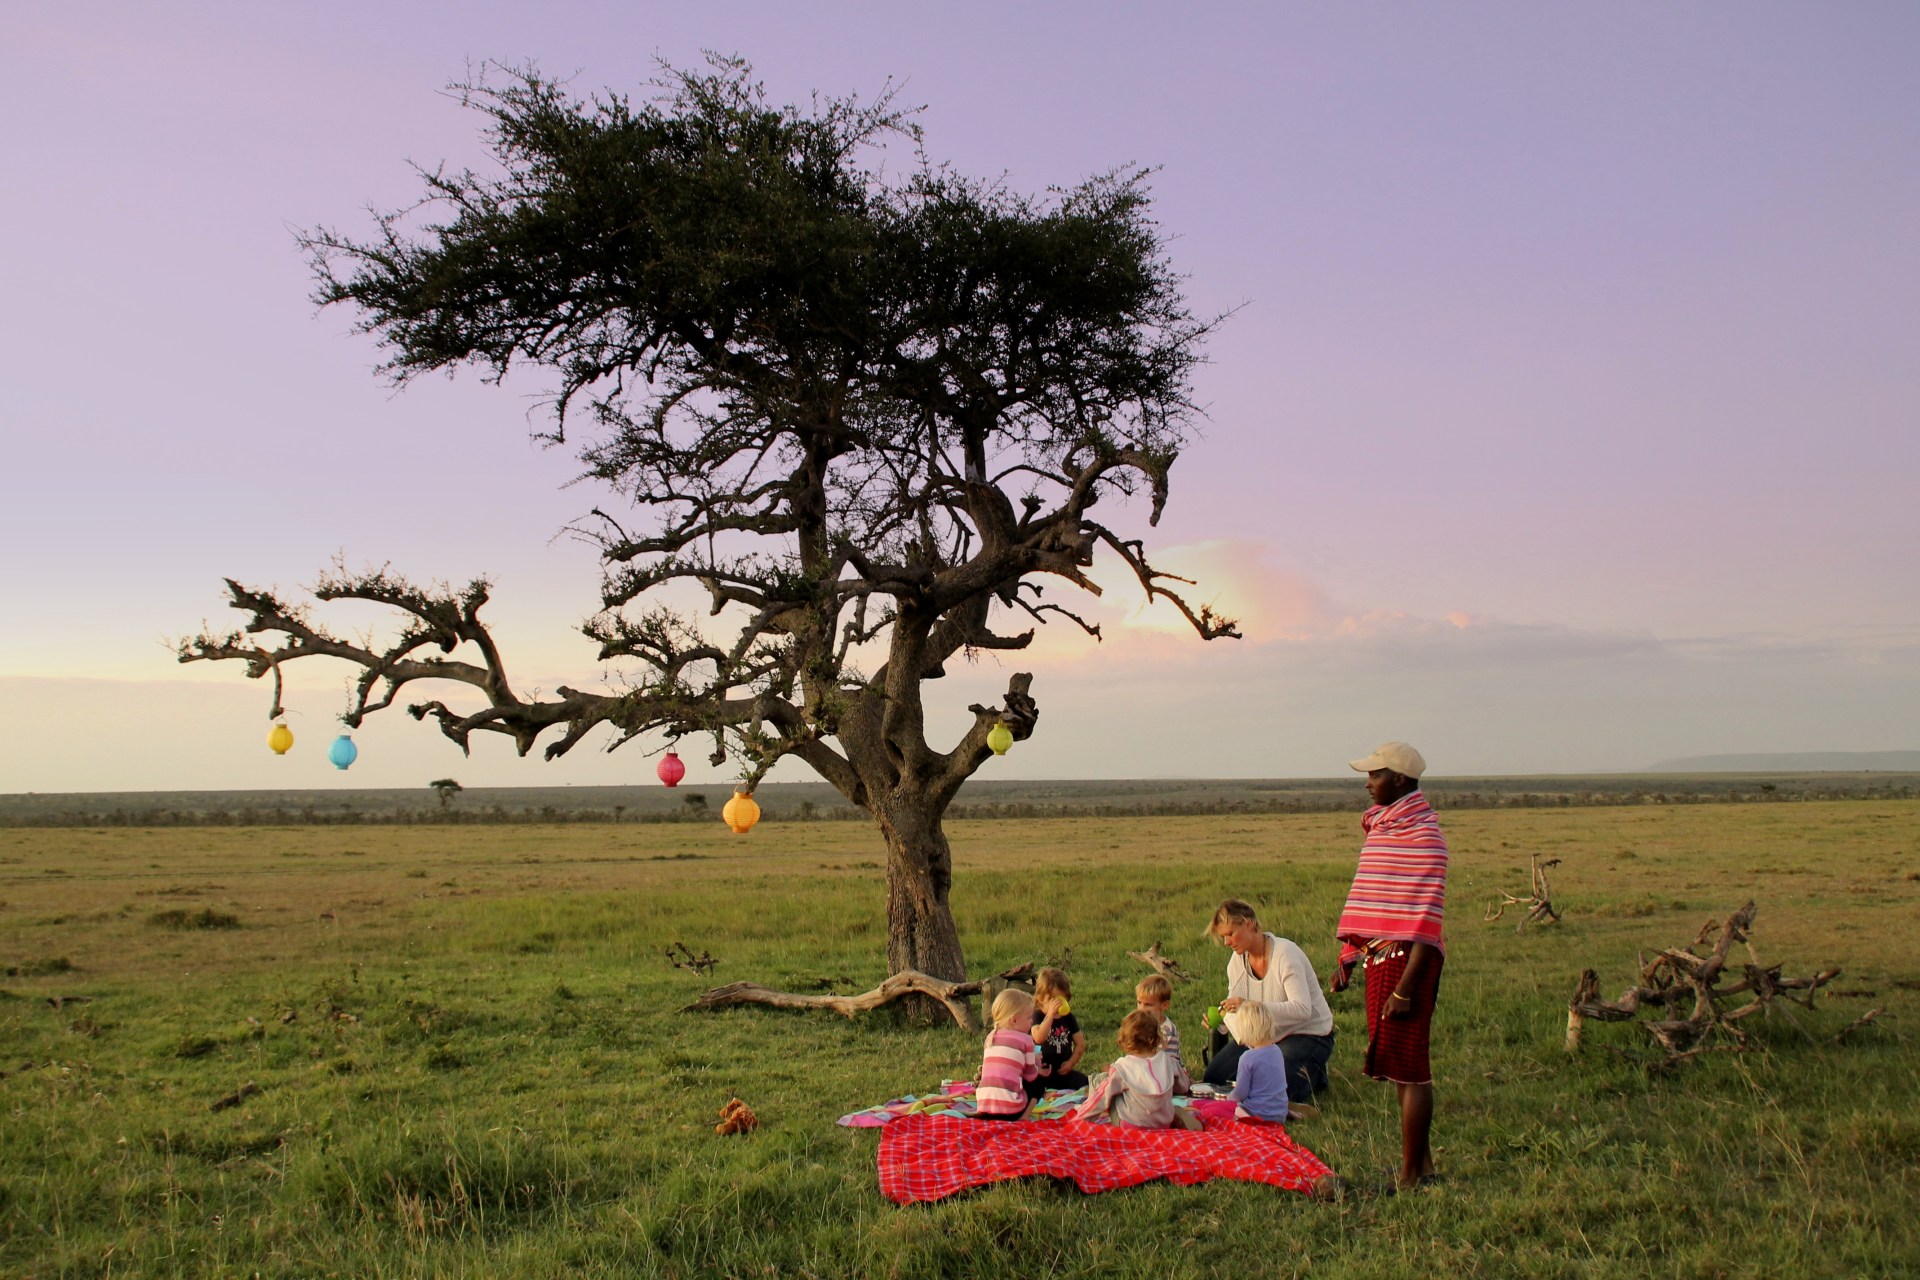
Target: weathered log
{"type": "Point", "coordinates": [1586, 1003]}
{"type": "Point", "coordinates": [1674, 973]}
{"type": "Point", "coordinates": [1165, 966]}
{"type": "Point", "coordinates": [954, 995]}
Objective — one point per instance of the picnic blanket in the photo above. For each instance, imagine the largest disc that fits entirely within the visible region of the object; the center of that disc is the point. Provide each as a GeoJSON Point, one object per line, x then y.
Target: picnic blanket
{"type": "Point", "coordinates": [929, 1157]}
{"type": "Point", "coordinates": [955, 1100]}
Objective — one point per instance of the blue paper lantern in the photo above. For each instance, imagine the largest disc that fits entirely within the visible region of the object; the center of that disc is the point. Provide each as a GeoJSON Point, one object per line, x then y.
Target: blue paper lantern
{"type": "Point", "coordinates": [343, 752]}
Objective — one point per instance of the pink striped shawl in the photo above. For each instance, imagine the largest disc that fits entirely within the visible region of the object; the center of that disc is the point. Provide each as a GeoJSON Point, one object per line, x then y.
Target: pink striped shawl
{"type": "Point", "coordinates": [1400, 887]}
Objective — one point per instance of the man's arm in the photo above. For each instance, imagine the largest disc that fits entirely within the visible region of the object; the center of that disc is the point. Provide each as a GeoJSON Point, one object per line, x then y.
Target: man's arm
{"type": "Point", "coordinates": [1400, 1000]}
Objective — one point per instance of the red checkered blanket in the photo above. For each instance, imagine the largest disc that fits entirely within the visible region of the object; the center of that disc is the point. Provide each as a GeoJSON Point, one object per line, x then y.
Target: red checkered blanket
{"type": "Point", "coordinates": [931, 1157]}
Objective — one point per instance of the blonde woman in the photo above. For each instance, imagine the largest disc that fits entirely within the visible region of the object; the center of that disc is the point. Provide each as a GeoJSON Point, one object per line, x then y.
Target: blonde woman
{"type": "Point", "coordinates": [1273, 972]}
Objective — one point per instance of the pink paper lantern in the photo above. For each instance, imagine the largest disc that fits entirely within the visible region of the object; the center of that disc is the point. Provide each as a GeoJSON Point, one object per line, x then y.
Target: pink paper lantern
{"type": "Point", "coordinates": [670, 769]}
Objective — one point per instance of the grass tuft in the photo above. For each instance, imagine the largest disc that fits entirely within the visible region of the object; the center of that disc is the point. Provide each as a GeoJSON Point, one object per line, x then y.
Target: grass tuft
{"type": "Point", "coordinates": [40, 968]}
{"type": "Point", "coordinates": [205, 918]}
{"type": "Point", "coordinates": [195, 1047]}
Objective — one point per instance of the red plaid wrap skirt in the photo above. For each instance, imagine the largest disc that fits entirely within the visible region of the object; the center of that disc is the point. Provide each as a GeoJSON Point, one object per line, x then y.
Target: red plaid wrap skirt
{"type": "Point", "coordinates": [1397, 1048]}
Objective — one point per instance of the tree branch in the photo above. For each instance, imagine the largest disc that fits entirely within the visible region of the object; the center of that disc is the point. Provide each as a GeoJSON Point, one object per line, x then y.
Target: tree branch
{"type": "Point", "coordinates": [954, 995]}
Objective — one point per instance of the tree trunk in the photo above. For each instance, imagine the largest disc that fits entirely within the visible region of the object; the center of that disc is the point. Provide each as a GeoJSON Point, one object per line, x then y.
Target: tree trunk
{"type": "Point", "coordinates": [920, 931]}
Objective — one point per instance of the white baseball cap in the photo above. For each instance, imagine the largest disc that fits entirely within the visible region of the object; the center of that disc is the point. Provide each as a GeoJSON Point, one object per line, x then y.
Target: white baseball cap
{"type": "Point", "coordinates": [1397, 756]}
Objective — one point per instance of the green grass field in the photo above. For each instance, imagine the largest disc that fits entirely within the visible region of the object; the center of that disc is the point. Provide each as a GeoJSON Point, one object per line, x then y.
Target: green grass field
{"type": "Point", "coordinates": [470, 1060]}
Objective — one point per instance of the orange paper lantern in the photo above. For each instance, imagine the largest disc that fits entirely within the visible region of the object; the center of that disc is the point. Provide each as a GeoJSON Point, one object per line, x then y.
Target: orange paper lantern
{"type": "Point", "coordinates": [741, 813]}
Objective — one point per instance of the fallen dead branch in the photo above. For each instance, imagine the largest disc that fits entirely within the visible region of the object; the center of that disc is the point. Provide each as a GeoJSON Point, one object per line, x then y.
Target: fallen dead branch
{"type": "Point", "coordinates": [1165, 966]}
{"type": "Point", "coordinates": [681, 956]}
{"type": "Point", "coordinates": [1679, 974]}
{"type": "Point", "coordinates": [954, 995]}
{"type": "Point", "coordinates": [235, 1098]}
{"type": "Point", "coordinates": [1866, 1019]}
{"type": "Point", "coordinates": [1540, 908]}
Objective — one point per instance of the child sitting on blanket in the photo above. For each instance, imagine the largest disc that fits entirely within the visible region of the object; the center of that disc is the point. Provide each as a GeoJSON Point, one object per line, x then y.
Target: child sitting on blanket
{"type": "Point", "coordinates": [1260, 1092]}
{"type": "Point", "coordinates": [1058, 1035]}
{"type": "Point", "coordinates": [1011, 1060]}
{"type": "Point", "coordinates": [1137, 1090]}
{"type": "Point", "coordinates": [1154, 995]}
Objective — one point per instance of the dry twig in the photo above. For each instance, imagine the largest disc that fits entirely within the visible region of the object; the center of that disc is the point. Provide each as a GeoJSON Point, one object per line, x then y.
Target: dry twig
{"type": "Point", "coordinates": [702, 964]}
{"type": "Point", "coordinates": [1869, 1018]}
{"type": "Point", "coordinates": [1539, 907]}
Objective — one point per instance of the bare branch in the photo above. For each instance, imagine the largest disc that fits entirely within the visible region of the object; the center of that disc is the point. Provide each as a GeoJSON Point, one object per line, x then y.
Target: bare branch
{"type": "Point", "coordinates": [954, 995]}
{"type": "Point", "coordinates": [1165, 966]}
{"type": "Point", "coordinates": [1210, 625]}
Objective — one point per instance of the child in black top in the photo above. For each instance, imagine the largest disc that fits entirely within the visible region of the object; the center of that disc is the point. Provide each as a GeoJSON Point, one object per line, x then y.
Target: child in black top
{"type": "Point", "coordinates": [1058, 1035]}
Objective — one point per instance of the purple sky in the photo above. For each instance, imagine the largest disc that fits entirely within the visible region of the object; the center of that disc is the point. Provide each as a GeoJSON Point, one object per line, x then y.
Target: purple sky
{"type": "Point", "coordinates": [1568, 422]}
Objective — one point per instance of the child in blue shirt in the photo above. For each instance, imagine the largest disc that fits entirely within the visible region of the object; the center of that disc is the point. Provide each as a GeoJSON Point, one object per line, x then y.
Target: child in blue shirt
{"type": "Point", "coordinates": [1260, 1092]}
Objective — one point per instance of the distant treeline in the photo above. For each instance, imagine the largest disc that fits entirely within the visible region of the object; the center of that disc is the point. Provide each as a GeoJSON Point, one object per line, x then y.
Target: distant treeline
{"type": "Point", "coordinates": [1054, 800]}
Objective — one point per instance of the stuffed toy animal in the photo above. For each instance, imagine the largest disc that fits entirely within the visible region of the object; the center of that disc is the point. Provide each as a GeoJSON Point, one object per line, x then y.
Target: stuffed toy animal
{"type": "Point", "coordinates": [736, 1117]}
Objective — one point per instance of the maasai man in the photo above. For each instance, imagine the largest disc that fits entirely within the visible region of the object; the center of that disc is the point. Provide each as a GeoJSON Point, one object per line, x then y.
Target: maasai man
{"type": "Point", "coordinates": [1392, 922]}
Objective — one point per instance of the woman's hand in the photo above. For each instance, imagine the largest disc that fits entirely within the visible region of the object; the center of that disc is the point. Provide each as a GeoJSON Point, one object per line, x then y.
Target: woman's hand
{"type": "Point", "coordinates": [1230, 1004]}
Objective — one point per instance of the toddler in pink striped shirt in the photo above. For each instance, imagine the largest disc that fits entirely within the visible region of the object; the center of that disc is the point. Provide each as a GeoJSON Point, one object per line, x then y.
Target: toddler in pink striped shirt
{"type": "Point", "coordinates": [1012, 1059]}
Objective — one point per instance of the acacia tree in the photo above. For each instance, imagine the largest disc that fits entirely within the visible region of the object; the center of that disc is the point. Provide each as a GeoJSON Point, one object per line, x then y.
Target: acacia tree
{"type": "Point", "coordinates": [863, 415]}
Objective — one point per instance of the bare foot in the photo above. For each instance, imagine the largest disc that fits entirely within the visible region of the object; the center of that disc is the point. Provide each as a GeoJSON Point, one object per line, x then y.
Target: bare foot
{"type": "Point", "coordinates": [1301, 1111]}
{"type": "Point", "coordinates": [1328, 1189]}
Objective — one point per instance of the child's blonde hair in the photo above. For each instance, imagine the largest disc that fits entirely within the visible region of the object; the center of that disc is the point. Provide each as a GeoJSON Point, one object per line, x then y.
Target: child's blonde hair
{"type": "Point", "coordinates": [1252, 1024]}
{"type": "Point", "coordinates": [1008, 1005]}
{"type": "Point", "coordinates": [1154, 987]}
{"type": "Point", "coordinates": [1051, 982]}
{"type": "Point", "coordinates": [1140, 1033]}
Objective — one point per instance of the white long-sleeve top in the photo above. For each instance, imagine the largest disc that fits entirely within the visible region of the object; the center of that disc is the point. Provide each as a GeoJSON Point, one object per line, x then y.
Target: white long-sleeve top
{"type": "Point", "coordinates": [1290, 990]}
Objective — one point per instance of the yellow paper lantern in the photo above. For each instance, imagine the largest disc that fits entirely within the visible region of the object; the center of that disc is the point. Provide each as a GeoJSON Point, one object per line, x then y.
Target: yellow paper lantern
{"type": "Point", "coordinates": [741, 813]}
{"type": "Point", "coordinates": [1000, 738]}
{"type": "Point", "coordinates": [280, 739]}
